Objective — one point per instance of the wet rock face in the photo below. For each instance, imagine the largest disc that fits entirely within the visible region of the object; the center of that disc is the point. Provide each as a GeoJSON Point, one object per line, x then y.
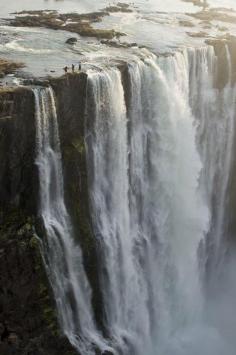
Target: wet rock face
{"type": "Point", "coordinates": [18, 178]}
{"type": "Point", "coordinates": [28, 320]}
{"type": "Point", "coordinates": [70, 92]}
{"type": "Point", "coordinates": [221, 45]}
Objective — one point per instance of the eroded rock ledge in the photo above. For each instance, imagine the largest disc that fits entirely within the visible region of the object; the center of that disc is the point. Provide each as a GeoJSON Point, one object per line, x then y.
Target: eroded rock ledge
{"type": "Point", "coordinates": [8, 67]}
{"type": "Point", "coordinates": [81, 24]}
{"type": "Point", "coordinates": [215, 14]}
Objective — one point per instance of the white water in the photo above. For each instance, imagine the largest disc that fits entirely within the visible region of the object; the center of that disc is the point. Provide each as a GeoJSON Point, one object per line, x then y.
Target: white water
{"type": "Point", "coordinates": [63, 257]}
{"type": "Point", "coordinates": [159, 161]}
{"type": "Point", "coordinates": [159, 176]}
{"type": "Point", "coordinates": [215, 116]}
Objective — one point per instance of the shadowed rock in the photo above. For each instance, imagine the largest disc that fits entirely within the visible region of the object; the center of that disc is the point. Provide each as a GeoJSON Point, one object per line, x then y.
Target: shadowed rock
{"type": "Point", "coordinates": [71, 40]}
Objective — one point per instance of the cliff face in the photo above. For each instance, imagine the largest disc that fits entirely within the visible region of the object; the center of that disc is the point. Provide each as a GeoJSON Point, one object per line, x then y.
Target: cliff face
{"type": "Point", "coordinates": [18, 177]}
{"type": "Point", "coordinates": [70, 92]}
{"type": "Point", "coordinates": [28, 322]}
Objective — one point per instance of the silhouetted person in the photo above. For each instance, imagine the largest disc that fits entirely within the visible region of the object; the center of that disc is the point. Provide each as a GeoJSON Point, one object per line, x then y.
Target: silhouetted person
{"type": "Point", "coordinates": [79, 66]}
{"type": "Point", "coordinates": [65, 69]}
{"type": "Point", "coordinates": [73, 68]}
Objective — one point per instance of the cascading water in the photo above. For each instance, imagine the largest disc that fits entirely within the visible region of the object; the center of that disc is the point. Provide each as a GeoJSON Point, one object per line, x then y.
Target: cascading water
{"type": "Point", "coordinates": [125, 296]}
{"type": "Point", "coordinates": [155, 167]}
{"type": "Point", "coordinates": [160, 151]}
{"type": "Point", "coordinates": [63, 257]}
{"type": "Point", "coordinates": [215, 115]}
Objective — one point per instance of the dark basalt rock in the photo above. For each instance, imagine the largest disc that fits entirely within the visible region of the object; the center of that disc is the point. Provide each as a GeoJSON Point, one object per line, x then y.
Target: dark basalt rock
{"type": "Point", "coordinates": [70, 92]}
{"type": "Point", "coordinates": [28, 320]}
{"type": "Point", "coordinates": [71, 40]}
{"type": "Point", "coordinates": [37, 82]}
{"type": "Point", "coordinates": [120, 7]}
{"type": "Point", "coordinates": [26, 299]}
{"type": "Point", "coordinates": [18, 176]}
{"type": "Point", "coordinates": [9, 67]}
{"type": "Point", "coordinates": [219, 44]}
{"type": "Point", "coordinates": [116, 44]}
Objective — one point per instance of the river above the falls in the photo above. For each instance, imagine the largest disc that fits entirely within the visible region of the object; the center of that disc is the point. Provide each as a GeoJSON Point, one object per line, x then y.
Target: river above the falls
{"type": "Point", "coordinates": [157, 26]}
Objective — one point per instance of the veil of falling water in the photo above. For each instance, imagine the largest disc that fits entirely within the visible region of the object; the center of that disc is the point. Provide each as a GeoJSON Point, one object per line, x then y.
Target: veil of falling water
{"type": "Point", "coordinates": [63, 257]}
{"type": "Point", "coordinates": [160, 152]}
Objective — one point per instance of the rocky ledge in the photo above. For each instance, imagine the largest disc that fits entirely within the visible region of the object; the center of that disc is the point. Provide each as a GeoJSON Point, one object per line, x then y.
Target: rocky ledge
{"type": "Point", "coordinates": [8, 67]}
{"type": "Point", "coordinates": [81, 24]}
{"type": "Point", "coordinates": [215, 14]}
{"type": "Point", "coordinates": [200, 3]}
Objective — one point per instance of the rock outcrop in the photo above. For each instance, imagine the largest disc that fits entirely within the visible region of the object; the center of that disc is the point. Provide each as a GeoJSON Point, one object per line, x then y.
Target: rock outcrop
{"type": "Point", "coordinates": [81, 24]}
{"type": "Point", "coordinates": [27, 308]}
{"type": "Point", "coordinates": [28, 321]}
{"type": "Point", "coordinates": [8, 67]}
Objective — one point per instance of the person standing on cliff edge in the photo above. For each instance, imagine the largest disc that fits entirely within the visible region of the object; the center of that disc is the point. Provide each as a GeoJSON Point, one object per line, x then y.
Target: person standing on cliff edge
{"type": "Point", "coordinates": [65, 69]}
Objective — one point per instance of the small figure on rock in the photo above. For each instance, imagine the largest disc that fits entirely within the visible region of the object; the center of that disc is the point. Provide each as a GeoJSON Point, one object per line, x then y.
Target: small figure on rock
{"type": "Point", "coordinates": [73, 68]}
{"type": "Point", "coordinates": [79, 66]}
{"type": "Point", "coordinates": [65, 69]}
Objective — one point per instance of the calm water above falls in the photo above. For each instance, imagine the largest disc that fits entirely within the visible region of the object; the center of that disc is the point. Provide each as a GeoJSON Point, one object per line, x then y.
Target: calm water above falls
{"type": "Point", "coordinates": [154, 24]}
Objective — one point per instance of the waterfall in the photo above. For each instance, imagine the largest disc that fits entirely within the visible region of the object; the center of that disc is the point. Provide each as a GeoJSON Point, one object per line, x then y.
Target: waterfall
{"type": "Point", "coordinates": [215, 114]}
{"type": "Point", "coordinates": [160, 156]}
{"type": "Point", "coordinates": [125, 295]}
{"type": "Point", "coordinates": [62, 256]}
{"type": "Point", "coordinates": [159, 143]}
